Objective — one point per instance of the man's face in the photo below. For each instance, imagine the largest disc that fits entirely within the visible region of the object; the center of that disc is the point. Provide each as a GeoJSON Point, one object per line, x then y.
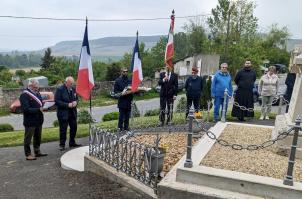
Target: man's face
{"type": "Point", "coordinates": [125, 73]}
{"type": "Point", "coordinates": [194, 73]}
{"type": "Point", "coordinates": [35, 87]}
{"type": "Point", "coordinates": [69, 83]}
{"type": "Point", "coordinates": [248, 64]}
{"type": "Point", "coordinates": [224, 68]}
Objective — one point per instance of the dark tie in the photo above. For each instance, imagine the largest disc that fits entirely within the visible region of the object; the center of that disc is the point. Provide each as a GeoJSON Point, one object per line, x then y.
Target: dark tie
{"type": "Point", "coordinates": [70, 94]}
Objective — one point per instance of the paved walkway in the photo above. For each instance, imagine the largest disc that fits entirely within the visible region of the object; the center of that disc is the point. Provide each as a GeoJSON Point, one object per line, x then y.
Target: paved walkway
{"type": "Point", "coordinates": [44, 178]}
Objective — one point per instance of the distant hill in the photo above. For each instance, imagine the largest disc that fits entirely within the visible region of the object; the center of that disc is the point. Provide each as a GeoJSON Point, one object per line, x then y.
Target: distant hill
{"type": "Point", "coordinates": [109, 47]}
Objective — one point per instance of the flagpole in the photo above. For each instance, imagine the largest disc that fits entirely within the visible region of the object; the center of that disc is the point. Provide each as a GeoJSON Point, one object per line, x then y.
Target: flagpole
{"type": "Point", "coordinates": [133, 101]}
{"type": "Point", "coordinates": [90, 110]}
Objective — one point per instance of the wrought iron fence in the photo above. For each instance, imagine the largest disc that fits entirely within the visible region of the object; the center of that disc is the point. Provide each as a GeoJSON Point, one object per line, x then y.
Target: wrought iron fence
{"type": "Point", "coordinates": [137, 160]}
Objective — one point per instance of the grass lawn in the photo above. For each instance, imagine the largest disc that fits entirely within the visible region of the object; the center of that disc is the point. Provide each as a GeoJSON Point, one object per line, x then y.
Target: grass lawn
{"type": "Point", "coordinates": [15, 138]}
{"type": "Point", "coordinates": [4, 111]}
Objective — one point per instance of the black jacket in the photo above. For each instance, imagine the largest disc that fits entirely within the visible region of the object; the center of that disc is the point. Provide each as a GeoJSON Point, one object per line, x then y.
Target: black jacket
{"type": "Point", "coordinates": [193, 87]}
{"type": "Point", "coordinates": [62, 99]}
{"type": "Point", "coordinates": [119, 85]}
{"type": "Point", "coordinates": [168, 88]}
{"type": "Point", "coordinates": [32, 116]}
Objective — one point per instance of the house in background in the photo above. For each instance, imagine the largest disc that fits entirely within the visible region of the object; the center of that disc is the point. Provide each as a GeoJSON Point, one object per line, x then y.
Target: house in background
{"type": "Point", "coordinates": [206, 64]}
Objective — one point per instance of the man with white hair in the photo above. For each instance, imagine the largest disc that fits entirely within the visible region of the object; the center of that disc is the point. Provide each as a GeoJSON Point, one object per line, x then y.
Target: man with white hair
{"type": "Point", "coordinates": [32, 106]}
{"type": "Point", "coordinates": [66, 101]}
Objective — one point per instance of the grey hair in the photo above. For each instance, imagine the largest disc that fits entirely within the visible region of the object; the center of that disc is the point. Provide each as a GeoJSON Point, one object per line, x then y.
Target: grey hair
{"type": "Point", "coordinates": [69, 78]}
{"type": "Point", "coordinates": [223, 64]}
{"type": "Point", "coordinates": [32, 82]}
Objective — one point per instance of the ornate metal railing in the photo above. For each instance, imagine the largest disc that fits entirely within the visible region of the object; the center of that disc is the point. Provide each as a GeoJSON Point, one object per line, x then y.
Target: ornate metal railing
{"type": "Point", "coordinates": [135, 159]}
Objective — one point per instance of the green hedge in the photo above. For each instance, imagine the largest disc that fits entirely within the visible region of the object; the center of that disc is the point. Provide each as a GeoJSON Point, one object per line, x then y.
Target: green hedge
{"type": "Point", "coordinates": [152, 112]}
{"type": "Point", "coordinates": [55, 123]}
{"type": "Point", "coordinates": [84, 117]}
{"type": "Point", "coordinates": [6, 127]}
{"type": "Point", "coordinates": [110, 116]}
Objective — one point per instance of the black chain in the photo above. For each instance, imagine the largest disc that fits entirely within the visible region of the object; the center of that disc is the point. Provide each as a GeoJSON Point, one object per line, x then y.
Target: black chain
{"type": "Point", "coordinates": [251, 147]}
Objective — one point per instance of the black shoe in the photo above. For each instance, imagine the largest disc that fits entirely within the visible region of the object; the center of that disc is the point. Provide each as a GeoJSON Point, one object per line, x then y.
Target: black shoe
{"type": "Point", "coordinates": [74, 145]}
{"type": "Point", "coordinates": [241, 119]}
{"type": "Point", "coordinates": [40, 154]}
{"type": "Point", "coordinates": [62, 148]}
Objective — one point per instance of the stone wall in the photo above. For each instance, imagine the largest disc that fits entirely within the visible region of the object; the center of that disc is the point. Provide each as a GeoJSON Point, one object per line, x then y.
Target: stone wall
{"type": "Point", "coordinates": [7, 96]}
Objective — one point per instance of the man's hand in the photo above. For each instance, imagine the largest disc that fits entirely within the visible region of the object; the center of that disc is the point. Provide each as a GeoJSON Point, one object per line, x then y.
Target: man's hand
{"type": "Point", "coordinates": [41, 109]}
{"type": "Point", "coordinates": [70, 105]}
{"type": "Point", "coordinates": [74, 103]}
{"type": "Point", "coordinates": [174, 97]}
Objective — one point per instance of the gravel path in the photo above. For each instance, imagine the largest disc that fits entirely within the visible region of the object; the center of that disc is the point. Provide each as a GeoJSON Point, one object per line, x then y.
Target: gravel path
{"type": "Point", "coordinates": [44, 178]}
{"type": "Point", "coordinates": [263, 162]}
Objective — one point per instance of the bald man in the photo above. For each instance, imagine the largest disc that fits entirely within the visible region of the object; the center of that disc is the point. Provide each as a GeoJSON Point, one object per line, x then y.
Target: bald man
{"type": "Point", "coordinates": [66, 101]}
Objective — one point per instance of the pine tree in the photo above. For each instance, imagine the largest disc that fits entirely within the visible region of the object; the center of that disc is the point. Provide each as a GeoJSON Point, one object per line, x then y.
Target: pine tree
{"type": "Point", "coordinates": [47, 59]}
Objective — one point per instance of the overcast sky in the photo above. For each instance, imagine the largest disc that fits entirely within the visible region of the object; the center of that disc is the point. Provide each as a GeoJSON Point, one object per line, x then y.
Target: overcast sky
{"type": "Point", "coordinates": [25, 34]}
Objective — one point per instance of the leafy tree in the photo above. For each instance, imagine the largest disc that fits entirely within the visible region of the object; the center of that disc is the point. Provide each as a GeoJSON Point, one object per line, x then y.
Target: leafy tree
{"type": "Point", "coordinates": [180, 45]}
{"type": "Point", "coordinates": [196, 37]}
{"type": "Point", "coordinates": [274, 45]}
{"type": "Point", "coordinates": [47, 59]}
{"type": "Point", "coordinates": [113, 72]}
{"type": "Point", "coordinates": [233, 23]}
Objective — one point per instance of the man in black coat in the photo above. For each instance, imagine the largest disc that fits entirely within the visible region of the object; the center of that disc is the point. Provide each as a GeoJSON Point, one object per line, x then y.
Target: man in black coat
{"type": "Point", "coordinates": [245, 80]}
{"type": "Point", "coordinates": [32, 106]}
{"type": "Point", "coordinates": [66, 101]}
{"type": "Point", "coordinates": [125, 99]}
{"type": "Point", "coordinates": [193, 88]}
{"type": "Point", "coordinates": [290, 82]}
{"type": "Point", "coordinates": [168, 81]}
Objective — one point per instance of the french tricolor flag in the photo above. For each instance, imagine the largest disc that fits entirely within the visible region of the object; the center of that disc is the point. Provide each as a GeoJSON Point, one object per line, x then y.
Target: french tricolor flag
{"type": "Point", "coordinates": [85, 81]}
{"type": "Point", "coordinates": [170, 46]}
{"type": "Point", "coordinates": [136, 67]}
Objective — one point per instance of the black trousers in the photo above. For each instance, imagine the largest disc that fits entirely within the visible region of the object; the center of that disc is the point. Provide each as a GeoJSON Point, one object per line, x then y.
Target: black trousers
{"type": "Point", "coordinates": [123, 120]}
{"type": "Point", "coordinates": [72, 122]}
{"type": "Point", "coordinates": [29, 133]}
{"type": "Point", "coordinates": [166, 102]}
{"type": "Point", "coordinates": [196, 104]}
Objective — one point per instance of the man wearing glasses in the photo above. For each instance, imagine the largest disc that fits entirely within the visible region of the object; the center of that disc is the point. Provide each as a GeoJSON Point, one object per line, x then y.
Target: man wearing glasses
{"type": "Point", "coordinates": [222, 80]}
{"type": "Point", "coordinates": [193, 88]}
{"type": "Point", "coordinates": [124, 101]}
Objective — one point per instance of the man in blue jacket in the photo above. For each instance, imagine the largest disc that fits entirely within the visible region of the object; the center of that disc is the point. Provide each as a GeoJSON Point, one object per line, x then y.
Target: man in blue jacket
{"type": "Point", "coordinates": [193, 87]}
{"type": "Point", "coordinates": [222, 80]}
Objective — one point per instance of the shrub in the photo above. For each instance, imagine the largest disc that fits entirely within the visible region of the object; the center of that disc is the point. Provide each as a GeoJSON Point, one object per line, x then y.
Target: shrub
{"type": "Point", "coordinates": [181, 105]}
{"type": "Point", "coordinates": [110, 116]}
{"type": "Point", "coordinates": [135, 111]}
{"type": "Point", "coordinates": [152, 112]}
{"type": "Point", "coordinates": [55, 123]}
{"type": "Point", "coordinates": [84, 117]}
{"type": "Point", "coordinates": [6, 127]}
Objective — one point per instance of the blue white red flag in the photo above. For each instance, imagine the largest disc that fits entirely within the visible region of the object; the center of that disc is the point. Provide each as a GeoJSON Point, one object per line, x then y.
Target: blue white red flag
{"type": "Point", "coordinates": [136, 67]}
{"type": "Point", "coordinates": [85, 80]}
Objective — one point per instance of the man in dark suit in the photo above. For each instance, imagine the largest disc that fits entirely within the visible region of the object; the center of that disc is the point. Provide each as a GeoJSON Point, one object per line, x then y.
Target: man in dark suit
{"type": "Point", "coordinates": [32, 106]}
{"type": "Point", "coordinates": [168, 81]}
{"type": "Point", "coordinates": [66, 101]}
{"type": "Point", "coordinates": [125, 99]}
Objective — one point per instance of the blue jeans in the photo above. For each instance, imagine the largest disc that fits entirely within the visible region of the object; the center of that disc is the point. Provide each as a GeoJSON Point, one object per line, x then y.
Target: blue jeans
{"type": "Point", "coordinates": [218, 101]}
